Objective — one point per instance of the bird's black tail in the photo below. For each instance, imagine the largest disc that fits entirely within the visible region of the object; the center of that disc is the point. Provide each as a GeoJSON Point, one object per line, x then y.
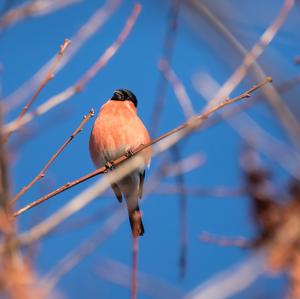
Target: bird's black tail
{"type": "Point", "coordinates": [135, 219]}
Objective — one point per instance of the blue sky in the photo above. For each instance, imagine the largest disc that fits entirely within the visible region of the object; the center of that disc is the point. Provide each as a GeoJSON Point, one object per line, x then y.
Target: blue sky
{"type": "Point", "coordinates": [28, 45]}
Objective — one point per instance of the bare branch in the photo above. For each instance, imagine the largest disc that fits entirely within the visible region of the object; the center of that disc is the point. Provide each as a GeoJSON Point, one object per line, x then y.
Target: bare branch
{"type": "Point", "coordinates": [69, 92]}
{"type": "Point", "coordinates": [225, 241]}
{"type": "Point", "coordinates": [286, 117]}
{"type": "Point", "coordinates": [168, 48]}
{"type": "Point", "coordinates": [127, 167]}
{"type": "Point", "coordinates": [255, 135]}
{"type": "Point", "coordinates": [42, 173]}
{"type": "Point", "coordinates": [48, 77]}
{"type": "Point", "coordinates": [231, 281]}
{"type": "Point", "coordinates": [148, 284]}
{"type": "Point", "coordinates": [179, 89]}
{"type": "Point", "coordinates": [94, 23]}
{"type": "Point", "coordinates": [110, 226]}
{"type": "Point", "coordinates": [30, 9]}
{"type": "Point", "coordinates": [188, 126]}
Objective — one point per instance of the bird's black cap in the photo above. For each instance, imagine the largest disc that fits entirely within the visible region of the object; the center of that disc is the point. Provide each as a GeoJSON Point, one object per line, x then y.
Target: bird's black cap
{"type": "Point", "coordinates": [124, 95]}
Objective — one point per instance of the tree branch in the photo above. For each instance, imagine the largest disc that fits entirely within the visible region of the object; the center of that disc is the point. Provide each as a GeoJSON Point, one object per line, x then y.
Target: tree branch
{"type": "Point", "coordinates": [41, 174]}
{"type": "Point", "coordinates": [49, 76]}
{"type": "Point", "coordinates": [190, 125]}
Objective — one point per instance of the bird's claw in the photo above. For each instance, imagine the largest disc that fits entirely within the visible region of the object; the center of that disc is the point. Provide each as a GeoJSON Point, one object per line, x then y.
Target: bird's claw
{"type": "Point", "coordinates": [129, 153]}
{"type": "Point", "coordinates": [109, 166]}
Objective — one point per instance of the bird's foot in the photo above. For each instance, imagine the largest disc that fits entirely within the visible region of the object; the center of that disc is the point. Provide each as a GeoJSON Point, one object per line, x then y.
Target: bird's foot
{"type": "Point", "coordinates": [109, 166]}
{"type": "Point", "coordinates": [129, 153]}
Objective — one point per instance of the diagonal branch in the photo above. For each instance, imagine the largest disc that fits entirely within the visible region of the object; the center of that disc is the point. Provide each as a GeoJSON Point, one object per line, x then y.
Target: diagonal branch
{"type": "Point", "coordinates": [85, 32]}
{"type": "Point", "coordinates": [30, 9]}
{"type": "Point", "coordinates": [41, 174]}
{"type": "Point", "coordinates": [71, 91]}
{"type": "Point", "coordinates": [48, 77]}
{"type": "Point", "coordinates": [187, 127]}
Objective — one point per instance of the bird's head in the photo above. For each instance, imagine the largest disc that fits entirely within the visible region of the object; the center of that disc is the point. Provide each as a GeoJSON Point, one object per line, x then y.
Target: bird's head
{"type": "Point", "coordinates": [124, 95]}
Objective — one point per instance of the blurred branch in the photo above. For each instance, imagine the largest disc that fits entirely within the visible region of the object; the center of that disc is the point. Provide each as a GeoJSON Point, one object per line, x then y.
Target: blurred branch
{"type": "Point", "coordinates": [297, 60]}
{"type": "Point", "coordinates": [192, 191]}
{"type": "Point", "coordinates": [135, 161]}
{"type": "Point", "coordinates": [90, 73]}
{"type": "Point", "coordinates": [149, 285]}
{"type": "Point", "coordinates": [31, 9]}
{"type": "Point", "coordinates": [109, 227]}
{"type": "Point", "coordinates": [178, 88]}
{"type": "Point", "coordinates": [7, 228]}
{"type": "Point", "coordinates": [93, 24]}
{"type": "Point", "coordinates": [168, 49]}
{"type": "Point", "coordinates": [225, 241]}
{"type": "Point", "coordinates": [255, 135]}
{"type": "Point", "coordinates": [41, 174]}
{"type": "Point", "coordinates": [17, 279]}
{"type": "Point", "coordinates": [134, 268]}
{"type": "Point", "coordinates": [231, 281]}
{"type": "Point", "coordinates": [286, 117]}
{"type": "Point", "coordinates": [49, 76]}
{"type": "Point", "coordinates": [265, 39]}
{"type": "Point", "coordinates": [187, 127]}
{"type": "Point", "coordinates": [83, 222]}
{"type": "Point", "coordinates": [183, 217]}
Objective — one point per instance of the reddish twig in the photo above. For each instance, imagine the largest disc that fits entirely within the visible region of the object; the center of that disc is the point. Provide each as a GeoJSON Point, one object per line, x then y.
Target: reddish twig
{"type": "Point", "coordinates": [72, 90]}
{"type": "Point", "coordinates": [134, 269]}
{"type": "Point", "coordinates": [48, 77]}
{"type": "Point", "coordinates": [102, 61]}
{"type": "Point", "coordinates": [53, 158]}
{"type": "Point", "coordinates": [85, 32]}
{"type": "Point", "coordinates": [190, 125]}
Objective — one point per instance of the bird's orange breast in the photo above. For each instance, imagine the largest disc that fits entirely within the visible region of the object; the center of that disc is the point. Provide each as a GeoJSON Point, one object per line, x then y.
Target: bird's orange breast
{"type": "Point", "coordinates": [117, 129]}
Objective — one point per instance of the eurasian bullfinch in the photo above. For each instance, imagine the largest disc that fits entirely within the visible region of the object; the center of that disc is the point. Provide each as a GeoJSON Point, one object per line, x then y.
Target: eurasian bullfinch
{"type": "Point", "coordinates": [117, 131]}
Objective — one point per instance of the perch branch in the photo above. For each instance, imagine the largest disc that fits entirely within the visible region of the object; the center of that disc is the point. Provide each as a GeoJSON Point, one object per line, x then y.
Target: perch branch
{"type": "Point", "coordinates": [190, 125]}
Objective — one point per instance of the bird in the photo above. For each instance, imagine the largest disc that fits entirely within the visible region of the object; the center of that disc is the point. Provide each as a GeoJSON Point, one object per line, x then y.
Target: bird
{"type": "Point", "coordinates": [119, 131]}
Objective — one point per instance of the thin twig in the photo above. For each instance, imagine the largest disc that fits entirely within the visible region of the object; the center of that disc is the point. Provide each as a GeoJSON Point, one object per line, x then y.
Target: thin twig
{"type": "Point", "coordinates": [110, 52]}
{"type": "Point", "coordinates": [191, 124]}
{"type": "Point", "coordinates": [41, 174]}
{"type": "Point", "coordinates": [86, 31]}
{"type": "Point", "coordinates": [49, 76]}
{"type": "Point", "coordinates": [69, 92]}
{"type": "Point", "coordinates": [88, 195]}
